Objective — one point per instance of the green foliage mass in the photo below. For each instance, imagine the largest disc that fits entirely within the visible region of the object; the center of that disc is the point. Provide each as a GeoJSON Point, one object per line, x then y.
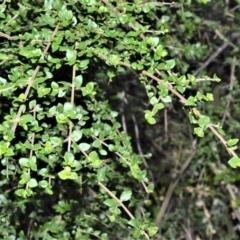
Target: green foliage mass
{"type": "Point", "coordinates": [102, 103]}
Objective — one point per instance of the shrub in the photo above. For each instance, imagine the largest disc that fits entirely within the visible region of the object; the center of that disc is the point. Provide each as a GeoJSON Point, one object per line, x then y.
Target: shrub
{"type": "Point", "coordinates": [69, 168]}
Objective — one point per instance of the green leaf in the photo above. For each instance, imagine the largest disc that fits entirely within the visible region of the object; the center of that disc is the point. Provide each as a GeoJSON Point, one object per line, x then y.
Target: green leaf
{"type": "Point", "coordinates": [137, 233]}
{"type": "Point", "coordinates": [78, 81]}
{"type": "Point", "coordinates": [25, 177]}
{"type": "Point", "coordinates": [166, 99]}
{"type": "Point", "coordinates": [170, 63]}
{"type": "Point", "coordinates": [84, 146]}
{"type": "Point", "coordinates": [67, 173]}
{"type": "Point", "coordinates": [73, 176]}
{"type": "Point", "coordinates": [69, 15]}
{"type": "Point", "coordinates": [76, 135]}
{"type": "Point", "coordinates": [61, 118]}
{"type": "Point", "coordinates": [83, 64]}
{"type": "Point", "coordinates": [101, 174]}
{"type": "Point", "coordinates": [199, 131]}
{"type": "Point", "coordinates": [93, 157]}
{"type": "Point", "coordinates": [192, 118]}
{"type": "Point", "coordinates": [67, 107]}
{"type": "Point", "coordinates": [161, 66]}
{"type": "Point", "coordinates": [152, 231]}
{"type": "Point", "coordinates": [153, 41]}
{"type": "Point", "coordinates": [54, 85]}
{"type": "Point", "coordinates": [113, 60]}
{"type": "Point", "coordinates": [48, 147]}
{"type": "Point", "coordinates": [56, 141]}
{"type": "Point", "coordinates": [112, 218]}
{"type": "Point", "coordinates": [30, 52]}
{"type": "Point", "coordinates": [150, 188]}
{"type": "Point", "coordinates": [151, 120]}
{"type": "Point", "coordinates": [159, 106]}
{"type": "Point", "coordinates": [21, 97]}
{"type": "Point", "coordinates": [232, 142]}
{"type": "Point", "coordinates": [68, 157]}
{"type": "Point", "coordinates": [203, 121]}
{"type": "Point", "coordinates": [3, 56]}
{"type": "Point", "coordinates": [180, 88]}
{"type": "Point", "coordinates": [234, 162]}
{"type": "Point", "coordinates": [24, 162]}
{"type": "Point", "coordinates": [103, 152]}
{"type": "Point", "coordinates": [43, 184]}
{"type": "Point", "coordinates": [153, 100]}
{"type": "Point", "coordinates": [26, 118]}
{"type": "Point", "coordinates": [160, 52]}
{"type": "Point", "coordinates": [48, 19]}
{"type": "Point", "coordinates": [43, 91]}
{"type": "Point", "coordinates": [221, 131]}
{"type": "Point", "coordinates": [190, 102]}
{"type": "Point", "coordinates": [90, 87]}
{"type": "Point", "coordinates": [209, 97]}
{"type": "Point", "coordinates": [64, 173]}
{"type": "Point", "coordinates": [32, 183]}
{"type": "Point", "coordinates": [32, 163]}
{"type": "Point", "coordinates": [20, 192]}
{"type": "Point", "coordinates": [71, 56]}
{"type": "Point", "coordinates": [96, 143]}
{"type": "Point", "coordinates": [216, 78]}
{"type": "Point", "coordinates": [134, 222]}
{"type": "Point", "coordinates": [148, 114]}
{"type": "Point", "coordinates": [65, 15]}
{"type": "Point", "coordinates": [111, 203]}
{"type": "Point", "coordinates": [126, 195]}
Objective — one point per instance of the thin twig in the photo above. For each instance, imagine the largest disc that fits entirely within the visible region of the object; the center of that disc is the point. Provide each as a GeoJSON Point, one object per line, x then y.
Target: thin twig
{"type": "Point", "coordinates": [4, 2]}
{"type": "Point", "coordinates": [16, 121]}
{"type": "Point", "coordinates": [117, 200]}
{"type": "Point", "coordinates": [172, 186]}
{"type": "Point", "coordinates": [4, 35]}
{"type": "Point", "coordinates": [232, 78]}
{"type": "Point", "coordinates": [124, 125]}
{"type": "Point", "coordinates": [72, 102]}
{"type": "Point", "coordinates": [215, 54]}
{"type": "Point", "coordinates": [122, 205]}
{"type": "Point", "coordinates": [140, 148]}
{"type": "Point", "coordinates": [165, 123]}
{"type": "Point", "coordinates": [156, 4]}
{"type": "Point", "coordinates": [124, 159]}
{"type": "Point", "coordinates": [138, 140]}
{"type": "Point", "coordinates": [230, 189]}
{"type": "Point", "coordinates": [3, 61]}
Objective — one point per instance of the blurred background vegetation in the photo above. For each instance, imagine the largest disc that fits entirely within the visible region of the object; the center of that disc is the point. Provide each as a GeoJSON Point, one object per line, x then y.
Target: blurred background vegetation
{"type": "Point", "coordinates": [205, 201]}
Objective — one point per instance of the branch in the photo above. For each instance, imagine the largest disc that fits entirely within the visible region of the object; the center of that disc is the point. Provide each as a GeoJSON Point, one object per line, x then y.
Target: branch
{"type": "Point", "coordinates": [121, 204]}
{"type": "Point", "coordinates": [4, 35]}
{"type": "Point", "coordinates": [16, 121]}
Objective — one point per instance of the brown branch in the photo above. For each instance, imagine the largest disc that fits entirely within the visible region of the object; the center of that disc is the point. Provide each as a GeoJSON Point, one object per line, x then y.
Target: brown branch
{"type": "Point", "coordinates": [30, 83]}
{"type": "Point", "coordinates": [72, 101]}
{"type": "Point", "coordinates": [172, 186]}
{"type": "Point", "coordinates": [4, 2]}
{"type": "Point", "coordinates": [229, 98]}
{"type": "Point", "coordinates": [156, 4]}
{"type": "Point", "coordinates": [4, 35]}
{"type": "Point", "coordinates": [121, 204]}
{"type": "Point", "coordinates": [216, 53]}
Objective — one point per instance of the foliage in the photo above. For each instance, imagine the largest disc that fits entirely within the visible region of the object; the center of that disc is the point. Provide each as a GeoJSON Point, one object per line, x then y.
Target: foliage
{"type": "Point", "coordinates": [70, 170]}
